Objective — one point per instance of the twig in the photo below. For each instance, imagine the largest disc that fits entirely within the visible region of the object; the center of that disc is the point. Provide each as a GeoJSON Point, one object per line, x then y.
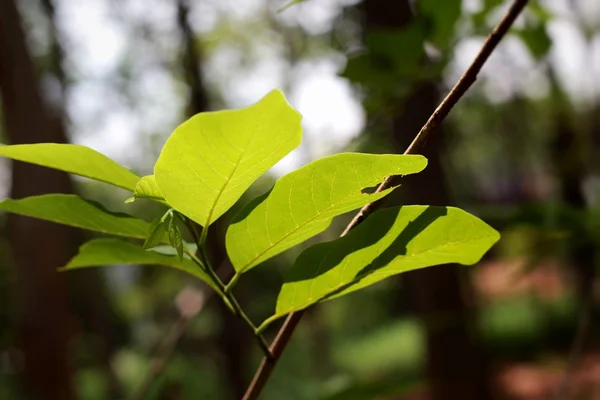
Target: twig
{"type": "Point", "coordinates": [228, 298]}
{"type": "Point", "coordinates": [466, 81]}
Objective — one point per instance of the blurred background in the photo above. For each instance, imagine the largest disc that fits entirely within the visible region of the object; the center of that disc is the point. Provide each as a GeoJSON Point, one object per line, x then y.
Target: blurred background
{"type": "Point", "coordinates": [519, 151]}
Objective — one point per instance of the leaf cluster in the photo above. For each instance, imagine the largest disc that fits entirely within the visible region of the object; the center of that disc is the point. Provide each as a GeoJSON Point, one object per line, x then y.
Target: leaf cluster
{"type": "Point", "coordinates": [205, 167]}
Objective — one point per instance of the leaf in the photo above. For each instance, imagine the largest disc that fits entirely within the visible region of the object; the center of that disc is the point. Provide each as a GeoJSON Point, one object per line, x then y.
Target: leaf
{"type": "Point", "coordinates": [76, 159]}
{"type": "Point", "coordinates": [210, 160]}
{"type": "Point", "coordinates": [156, 234]}
{"type": "Point", "coordinates": [442, 17]}
{"type": "Point", "coordinates": [537, 40]}
{"type": "Point", "coordinates": [147, 188]}
{"type": "Point", "coordinates": [392, 54]}
{"type": "Point", "coordinates": [389, 242]}
{"type": "Point", "coordinates": [175, 237]}
{"type": "Point", "coordinates": [99, 252]}
{"type": "Point", "coordinates": [303, 203]}
{"type": "Point", "coordinates": [75, 211]}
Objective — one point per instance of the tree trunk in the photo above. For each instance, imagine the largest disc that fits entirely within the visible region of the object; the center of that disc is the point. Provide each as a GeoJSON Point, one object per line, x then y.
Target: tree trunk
{"type": "Point", "coordinates": [38, 247]}
{"type": "Point", "coordinates": [455, 365]}
{"type": "Point", "coordinates": [233, 346]}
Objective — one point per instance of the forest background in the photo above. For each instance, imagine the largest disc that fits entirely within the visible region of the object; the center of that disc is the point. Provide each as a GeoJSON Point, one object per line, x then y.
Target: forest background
{"type": "Point", "coordinates": [518, 151]}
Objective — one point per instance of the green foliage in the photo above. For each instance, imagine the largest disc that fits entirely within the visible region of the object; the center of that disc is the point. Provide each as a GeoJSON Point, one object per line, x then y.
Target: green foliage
{"type": "Point", "coordinates": [175, 238]}
{"type": "Point", "coordinates": [99, 252]}
{"type": "Point", "coordinates": [213, 158]}
{"type": "Point", "coordinates": [75, 211]}
{"type": "Point", "coordinates": [304, 202]}
{"type": "Point", "coordinates": [147, 188]}
{"type": "Point", "coordinates": [536, 39]}
{"type": "Point", "coordinates": [210, 161]}
{"type": "Point", "coordinates": [441, 17]}
{"type": "Point", "coordinates": [390, 242]}
{"type": "Point", "coordinates": [156, 233]}
{"type": "Point", "coordinates": [393, 54]}
{"type": "Point", "coordinates": [76, 159]}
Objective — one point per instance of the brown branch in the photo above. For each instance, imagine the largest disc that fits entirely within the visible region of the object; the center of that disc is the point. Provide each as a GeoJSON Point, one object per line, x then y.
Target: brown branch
{"type": "Point", "coordinates": [465, 82]}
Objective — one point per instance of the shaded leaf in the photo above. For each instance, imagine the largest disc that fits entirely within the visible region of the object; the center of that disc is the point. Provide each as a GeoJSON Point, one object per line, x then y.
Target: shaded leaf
{"type": "Point", "coordinates": [75, 211]}
{"type": "Point", "coordinates": [441, 17]}
{"type": "Point", "coordinates": [389, 242]}
{"type": "Point", "coordinates": [304, 202]}
{"type": "Point", "coordinates": [175, 237]}
{"type": "Point", "coordinates": [210, 160]}
{"type": "Point", "coordinates": [76, 159]}
{"type": "Point", "coordinates": [103, 252]}
{"type": "Point", "coordinates": [156, 234]}
{"type": "Point", "coordinates": [537, 40]}
{"type": "Point", "coordinates": [404, 47]}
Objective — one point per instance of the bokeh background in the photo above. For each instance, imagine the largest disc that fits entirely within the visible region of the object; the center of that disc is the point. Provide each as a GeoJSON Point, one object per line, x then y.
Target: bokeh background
{"type": "Point", "coordinates": [518, 151]}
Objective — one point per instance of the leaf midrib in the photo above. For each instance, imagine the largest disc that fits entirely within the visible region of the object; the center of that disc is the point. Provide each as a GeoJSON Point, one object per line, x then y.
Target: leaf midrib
{"type": "Point", "coordinates": [228, 179]}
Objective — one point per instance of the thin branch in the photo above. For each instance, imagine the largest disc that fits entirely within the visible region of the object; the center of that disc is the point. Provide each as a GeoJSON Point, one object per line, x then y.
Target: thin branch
{"type": "Point", "coordinates": [465, 82]}
{"type": "Point", "coordinates": [228, 298]}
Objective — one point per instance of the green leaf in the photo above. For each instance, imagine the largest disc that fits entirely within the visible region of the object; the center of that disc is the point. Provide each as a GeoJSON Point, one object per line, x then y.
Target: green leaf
{"type": "Point", "coordinates": [100, 252]}
{"type": "Point", "coordinates": [442, 17]}
{"type": "Point", "coordinates": [76, 159]}
{"type": "Point", "coordinates": [303, 203]}
{"type": "Point", "coordinates": [393, 54]}
{"type": "Point", "coordinates": [147, 188]}
{"type": "Point", "coordinates": [537, 40]}
{"type": "Point", "coordinates": [75, 211]}
{"type": "Point", "coordinates": [389, 242]}
{"type": "Point", "coordinates": [156, 234]}
{"type": "Point", "coordinates": [210, 160]}
{"type": "Point", "coordinates": [175, 237]}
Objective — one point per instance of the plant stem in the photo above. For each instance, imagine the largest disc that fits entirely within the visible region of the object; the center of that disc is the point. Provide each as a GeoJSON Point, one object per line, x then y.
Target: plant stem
{"type": "Point", "coordinates": [203, 235]}
{"type": "Point", "coordinates": [465, 82]}
{"type": "Point", "coordinates": [261, 340]}
{"type": "Point", "coordinates": [232, 282]}
{"type": "Point", "coordinates": [265, 324]}
{"type": "Point", "coordinates": [224, 292]}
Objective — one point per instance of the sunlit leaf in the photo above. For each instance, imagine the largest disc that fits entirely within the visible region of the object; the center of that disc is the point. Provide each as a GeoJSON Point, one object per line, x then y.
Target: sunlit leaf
{"type": "Point", "coordinates": [304, 202]}
{"type": "Point", "coordinates": [389, 242]}
{"type": "Point", "coordinates": [104, 252]}
{"type": "Point", "coordinates": [76, 159]}
{"type": "Point", "coordinates": [147, 188]}
{"type": "Point", "coordinates": [75, 211]}
{"type": "Point", "coordinates": [210, 160]}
